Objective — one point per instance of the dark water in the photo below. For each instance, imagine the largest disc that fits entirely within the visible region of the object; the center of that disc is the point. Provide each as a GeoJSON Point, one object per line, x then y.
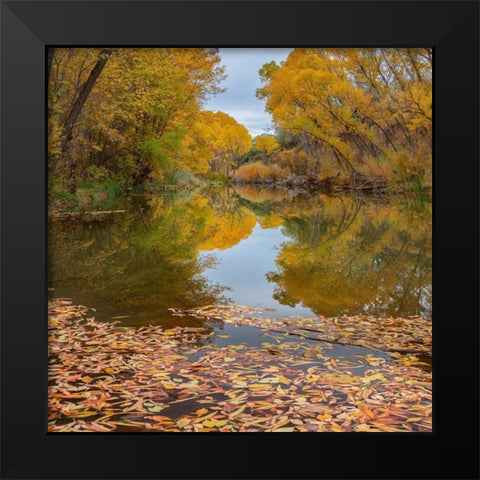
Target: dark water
{"type": "Point", "coordinates": [305, 254]}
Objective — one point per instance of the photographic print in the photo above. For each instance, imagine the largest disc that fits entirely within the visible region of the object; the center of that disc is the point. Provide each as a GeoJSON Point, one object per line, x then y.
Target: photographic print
{"type": "Point", "coordinates": [239, 239]}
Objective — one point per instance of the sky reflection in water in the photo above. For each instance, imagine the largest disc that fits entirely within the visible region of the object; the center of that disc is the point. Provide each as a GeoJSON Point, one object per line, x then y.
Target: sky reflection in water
{"type": "Point", "coordinates": [310, 254]}
{"type": "Point", "coordinates": [243, 268]}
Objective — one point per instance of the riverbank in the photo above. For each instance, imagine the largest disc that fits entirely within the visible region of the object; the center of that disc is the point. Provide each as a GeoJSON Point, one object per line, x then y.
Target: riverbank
{"type": "Point", "coordinates": [360, 184]}
{"type": "Point", "coordinates": [92, 195]}
{"type": "Point", "coordinates": [100, 196]}
{"type": "Point", "coordinates": [105, 377]}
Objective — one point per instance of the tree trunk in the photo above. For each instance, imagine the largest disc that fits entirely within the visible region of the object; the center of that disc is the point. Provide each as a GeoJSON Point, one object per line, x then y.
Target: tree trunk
{"type": "Point", "coordinates": [82, 97]}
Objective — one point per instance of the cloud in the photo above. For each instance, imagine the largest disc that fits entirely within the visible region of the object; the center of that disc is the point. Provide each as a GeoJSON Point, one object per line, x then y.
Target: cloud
{"type": "Point", "coordinates": [256, 122]}
{"type": "Point", "coordinates": [239, 101]}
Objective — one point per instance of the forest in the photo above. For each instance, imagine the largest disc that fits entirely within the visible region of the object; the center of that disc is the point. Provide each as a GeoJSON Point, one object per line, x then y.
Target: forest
{"type": "Point", "coordinates": [121, 119]}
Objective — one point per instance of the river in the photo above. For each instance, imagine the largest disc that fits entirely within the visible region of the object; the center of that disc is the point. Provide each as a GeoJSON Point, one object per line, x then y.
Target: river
{"type": "Point", "coordinates": [289, 254]}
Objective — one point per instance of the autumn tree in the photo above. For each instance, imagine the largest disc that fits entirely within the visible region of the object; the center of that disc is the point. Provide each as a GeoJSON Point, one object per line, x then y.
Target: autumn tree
{"type": "Point", "coordinates": [266, 144]}
{"type": "Point", "coordinates": [353, 103]}
{"type": "Point", "coordinates": [136, 114]}
{"type": "Point", "coordinates": [83, 94]}
{"type": "Point", "coordinates": [216, 140]}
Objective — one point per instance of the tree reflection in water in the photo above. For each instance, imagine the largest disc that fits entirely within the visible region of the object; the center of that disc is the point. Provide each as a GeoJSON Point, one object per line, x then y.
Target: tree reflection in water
{"type": "Point", "coordinates": [350, 255]}
{"type": "Point", "coordinates": [341, 254]}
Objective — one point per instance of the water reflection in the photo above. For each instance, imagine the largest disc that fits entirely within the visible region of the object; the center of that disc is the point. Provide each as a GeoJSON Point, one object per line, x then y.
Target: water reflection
{"type": "Point", "coordinates": [330, 255]}
{"type": "Point", "coordinates": [137, 263]}
{"type": "Point", "coordinates": [350, 255]}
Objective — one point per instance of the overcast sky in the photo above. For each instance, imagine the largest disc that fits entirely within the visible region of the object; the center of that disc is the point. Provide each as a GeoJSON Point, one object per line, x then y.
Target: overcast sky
{"type": "Point", "coordinates": [239, 101]}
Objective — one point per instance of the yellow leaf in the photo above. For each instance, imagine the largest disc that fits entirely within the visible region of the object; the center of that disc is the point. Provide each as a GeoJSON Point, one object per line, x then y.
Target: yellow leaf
{"type": "Point", "coordinates": [214, 423]}
{"type": "Point", "coordinates": [168, 385]}
{"type": "Point", "coordinates": [283, 421]}
{"type": "Point", "coordinates": [240, 384]}
{"type": "Point", "coordinates": [368, 411]}
{"type": "Point", "coordinates": [270, 380]}
{"type": "Point", "coordinates": [201, 419]}
{"type": "Point", "coordinates": [284, 380]}
{"type": "Point", "coordinates": [237, 411]}
{"type": "Point", "coordinates": [376, 376]}
{"type": "Point", "coordinates": [285, 429]}
{"type": "Point", "coordinates": [340, 378]}
{"type": "Point", "coordinates": [324, 417]}
{"type": "Point", "coordinates": [87, 413]}
{"type": "Point", "coordinates": [183, 422]}
{"type": "Point", "coordinates": [415, 419]}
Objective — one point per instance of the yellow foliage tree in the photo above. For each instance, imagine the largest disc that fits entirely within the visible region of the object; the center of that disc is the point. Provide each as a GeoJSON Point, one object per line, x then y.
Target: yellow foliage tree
{"type": "Point", "coordinates": [266, 144]}
{"type": "Point", "coordinates": [138, 111]}
{"type": "Point", "coordinates": [215, 141]}
{"type": "Point", "coordinates": [353, 102]}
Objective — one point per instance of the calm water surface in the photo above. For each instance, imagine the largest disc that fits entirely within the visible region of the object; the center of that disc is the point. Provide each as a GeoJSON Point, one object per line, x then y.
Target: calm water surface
{"type": "Point", "coordinates": [299, 255]}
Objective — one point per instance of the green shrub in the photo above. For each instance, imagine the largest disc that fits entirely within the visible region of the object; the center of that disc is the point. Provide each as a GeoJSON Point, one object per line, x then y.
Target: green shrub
{"type": "Point", "coordinates": [183, 177]}
{"type": "Point", "coordinates": [111, 188]}
{"type": "Point", "coordinates": [88, 192]}
{"type": "Point", "coordinates": [65, 196]}
{"type": "Point", "coordinates": [57, 192]}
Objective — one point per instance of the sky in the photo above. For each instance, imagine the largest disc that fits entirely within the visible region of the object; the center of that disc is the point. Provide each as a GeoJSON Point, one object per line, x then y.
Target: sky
{"type": "Point", "coordinates": [239, 101]}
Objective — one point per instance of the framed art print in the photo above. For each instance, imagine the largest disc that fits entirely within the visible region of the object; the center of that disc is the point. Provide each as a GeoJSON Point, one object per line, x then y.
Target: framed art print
{"type": "Point", "coordinates": [236, 241]}
{"type": "Point", "coordinates": [216, 268]}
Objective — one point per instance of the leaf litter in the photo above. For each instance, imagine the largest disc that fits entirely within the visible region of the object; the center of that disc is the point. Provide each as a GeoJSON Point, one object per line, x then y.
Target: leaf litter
{"type": "Point", "coordinates": [106, 377]}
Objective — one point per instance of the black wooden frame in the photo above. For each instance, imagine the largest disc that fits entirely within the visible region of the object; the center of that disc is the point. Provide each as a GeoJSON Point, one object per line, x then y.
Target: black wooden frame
{"type": "Point", "coordinates": [28, 27]}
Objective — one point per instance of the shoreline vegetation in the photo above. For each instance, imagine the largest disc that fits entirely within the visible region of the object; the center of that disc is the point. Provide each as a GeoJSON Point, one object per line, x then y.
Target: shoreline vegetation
{"type": "Point", "coordinates": [92, 194]}
{"type": "Point", "coordinates": [96, 201]}
{"type": "Point", "coordinates": [120, 378]}
{"type": "Point", "coordinates": [98, 196]}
